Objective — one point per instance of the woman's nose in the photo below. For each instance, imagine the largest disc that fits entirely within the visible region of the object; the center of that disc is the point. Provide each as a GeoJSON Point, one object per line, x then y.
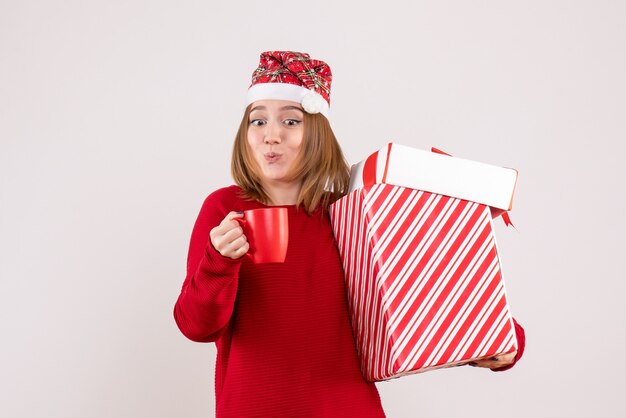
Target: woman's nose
{"type": "Point", "coordinates": [272, 134]}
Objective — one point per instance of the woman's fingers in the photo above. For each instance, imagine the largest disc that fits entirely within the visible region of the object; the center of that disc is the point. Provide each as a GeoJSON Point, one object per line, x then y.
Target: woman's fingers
{"type": "Point", "coordinates": [236, 243]}
{"type": "Point", "coordinates": [495, 362]}
{"type": "Point", "coordinates": [227, 224]}
{"type": "Point", "coordinates": [228, 237]}
{"type": "Point", "coordinates": [233, 244]}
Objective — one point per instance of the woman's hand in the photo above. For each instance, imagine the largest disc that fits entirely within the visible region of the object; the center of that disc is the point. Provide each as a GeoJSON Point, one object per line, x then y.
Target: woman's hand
{"type": "Point", "coordinates": [228, 238]}
{"type": "Point", "coordinates": [501, 360]}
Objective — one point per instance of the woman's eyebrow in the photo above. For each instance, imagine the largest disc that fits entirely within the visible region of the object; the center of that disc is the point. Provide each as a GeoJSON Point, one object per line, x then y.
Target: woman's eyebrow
{"type": "Point", "coordinates": [288, 107]}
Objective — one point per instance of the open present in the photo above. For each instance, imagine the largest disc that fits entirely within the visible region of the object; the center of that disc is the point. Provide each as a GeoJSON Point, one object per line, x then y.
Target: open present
{"type": "Point", "coordinates": [422, 270]}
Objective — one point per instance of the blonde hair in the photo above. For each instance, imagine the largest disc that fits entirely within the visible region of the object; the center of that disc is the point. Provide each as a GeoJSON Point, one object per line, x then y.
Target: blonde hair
{"type": "Point", "coordinates": [320, 164]}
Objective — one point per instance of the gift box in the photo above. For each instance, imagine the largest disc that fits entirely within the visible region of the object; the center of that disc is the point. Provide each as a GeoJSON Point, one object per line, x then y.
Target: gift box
{"type": "Point", "coordinates": [423, 276]}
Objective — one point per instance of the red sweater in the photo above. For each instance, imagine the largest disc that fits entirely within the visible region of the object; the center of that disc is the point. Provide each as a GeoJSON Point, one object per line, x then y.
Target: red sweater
{"type": "Point", "coordinates": [284, 342]}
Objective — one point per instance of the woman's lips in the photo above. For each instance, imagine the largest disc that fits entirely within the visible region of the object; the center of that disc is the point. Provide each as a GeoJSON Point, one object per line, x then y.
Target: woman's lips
{"type": "Point", "coordinates": [271, 157]}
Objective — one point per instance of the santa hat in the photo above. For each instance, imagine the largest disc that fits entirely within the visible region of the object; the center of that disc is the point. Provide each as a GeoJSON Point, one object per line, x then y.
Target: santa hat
{"type": "Point", "coordinates": [288, 75]}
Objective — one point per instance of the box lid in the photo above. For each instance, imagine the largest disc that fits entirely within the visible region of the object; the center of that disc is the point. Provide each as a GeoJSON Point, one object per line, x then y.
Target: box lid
{"type": "Point", "coordinates": [437, 173]}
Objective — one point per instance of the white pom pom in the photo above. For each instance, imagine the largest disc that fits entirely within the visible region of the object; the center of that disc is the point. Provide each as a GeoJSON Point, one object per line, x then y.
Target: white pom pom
{"type": "Point", "coordinates": [313, 102]}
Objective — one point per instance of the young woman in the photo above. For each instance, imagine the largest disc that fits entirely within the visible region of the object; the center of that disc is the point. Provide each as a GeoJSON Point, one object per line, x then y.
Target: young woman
{"type": "Point", "coordinates": [284, 342]}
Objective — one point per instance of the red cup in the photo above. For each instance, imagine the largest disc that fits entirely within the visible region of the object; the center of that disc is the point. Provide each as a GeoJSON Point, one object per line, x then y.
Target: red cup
{"type": "Point", "coordinates": [267, 231]}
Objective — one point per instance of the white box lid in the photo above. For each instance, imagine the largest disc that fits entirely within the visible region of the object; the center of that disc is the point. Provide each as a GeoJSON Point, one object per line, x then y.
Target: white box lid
{"type": "Point", "coordinates": [437, 173]}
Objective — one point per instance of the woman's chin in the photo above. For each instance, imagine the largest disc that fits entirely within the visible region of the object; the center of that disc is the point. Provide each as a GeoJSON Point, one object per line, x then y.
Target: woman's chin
{"type": "Point", "coordinates": [275, 175]}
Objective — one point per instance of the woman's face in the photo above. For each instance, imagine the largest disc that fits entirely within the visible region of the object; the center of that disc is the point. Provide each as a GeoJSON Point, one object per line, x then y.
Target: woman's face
{"type": "Point", "coordinates": [275, 131]}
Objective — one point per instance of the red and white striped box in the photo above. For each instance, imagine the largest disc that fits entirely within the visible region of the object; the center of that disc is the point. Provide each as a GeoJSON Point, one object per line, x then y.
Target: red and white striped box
{"type": "Point", "coordinates": [422, 270]}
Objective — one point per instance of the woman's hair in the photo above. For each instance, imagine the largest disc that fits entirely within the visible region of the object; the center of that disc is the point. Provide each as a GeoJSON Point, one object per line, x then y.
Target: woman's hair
{"type": "Point", "coordinates": [320, 164]}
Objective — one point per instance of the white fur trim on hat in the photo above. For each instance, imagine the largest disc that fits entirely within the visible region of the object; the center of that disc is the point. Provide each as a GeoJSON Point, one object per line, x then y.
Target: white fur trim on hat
{"type": "Point", "coordinates": [312, 101]}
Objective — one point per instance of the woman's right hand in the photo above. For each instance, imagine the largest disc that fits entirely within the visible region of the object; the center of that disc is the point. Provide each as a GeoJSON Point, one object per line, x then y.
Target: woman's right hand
{"type": "Point", "coordinates": [228, 238]}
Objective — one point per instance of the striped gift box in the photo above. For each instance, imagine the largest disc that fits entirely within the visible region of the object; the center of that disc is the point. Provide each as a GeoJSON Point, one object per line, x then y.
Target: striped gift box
{"type": "Point", "coordinates": [423, 276]}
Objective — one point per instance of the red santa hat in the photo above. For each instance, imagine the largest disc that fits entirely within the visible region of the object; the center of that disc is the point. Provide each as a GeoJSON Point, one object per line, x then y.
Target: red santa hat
{"type": "Point", "coordinates": [294, 76]}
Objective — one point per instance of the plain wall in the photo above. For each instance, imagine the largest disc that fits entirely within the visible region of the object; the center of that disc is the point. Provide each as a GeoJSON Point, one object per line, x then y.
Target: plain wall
{"type": "Point", "coordinates": [117, 118]}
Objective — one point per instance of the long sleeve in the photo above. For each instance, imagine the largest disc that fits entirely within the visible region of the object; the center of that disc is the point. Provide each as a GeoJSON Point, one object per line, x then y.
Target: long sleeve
{"type": "Point", "coordinates": [207, 297]}
{"type": "Point", "coordinates": [521, 345]}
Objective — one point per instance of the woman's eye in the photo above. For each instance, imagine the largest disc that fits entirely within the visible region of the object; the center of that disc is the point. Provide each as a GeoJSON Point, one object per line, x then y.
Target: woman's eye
{"type": "Point", "coordinates": [257, 122]}
{"type": "Point", "coordinates": [292, 122]}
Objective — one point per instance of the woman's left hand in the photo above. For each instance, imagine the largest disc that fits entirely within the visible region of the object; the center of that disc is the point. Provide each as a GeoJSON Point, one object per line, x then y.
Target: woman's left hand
{"type": "Point", "coordinates": [501, 360]}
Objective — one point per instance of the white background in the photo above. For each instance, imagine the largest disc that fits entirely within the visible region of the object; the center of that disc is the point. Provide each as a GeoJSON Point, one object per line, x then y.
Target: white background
{"type": "Point", "coordinates": [117, 119]}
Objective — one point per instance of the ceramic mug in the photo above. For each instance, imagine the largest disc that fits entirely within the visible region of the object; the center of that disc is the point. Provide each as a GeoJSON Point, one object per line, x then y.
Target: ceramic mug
{"type": "Point", "coordinates": [267, 231]}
